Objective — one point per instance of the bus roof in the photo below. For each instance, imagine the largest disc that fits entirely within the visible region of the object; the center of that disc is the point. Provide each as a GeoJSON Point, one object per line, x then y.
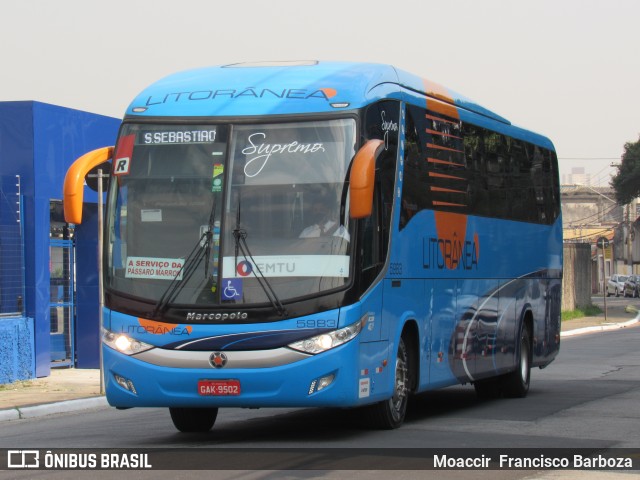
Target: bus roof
{"type": "Point", "coordinates": [250, 89]}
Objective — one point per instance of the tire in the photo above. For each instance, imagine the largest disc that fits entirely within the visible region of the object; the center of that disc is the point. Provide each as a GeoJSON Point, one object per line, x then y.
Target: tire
{"type": "Point", "coordinates": [516, 384]}
{"type": "Point", "coordinates": [189, 420]}
{"type": "Point", "coordinates": [390, 414]}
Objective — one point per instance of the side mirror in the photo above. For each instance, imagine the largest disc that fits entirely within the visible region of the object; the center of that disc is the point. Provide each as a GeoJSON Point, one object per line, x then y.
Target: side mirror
{"type": "Point", "coordinates": [362, 179]}
{"type": "Point", "coordinates": [92, 177]}
{"type": "Point", "coordinates": [73, 190]}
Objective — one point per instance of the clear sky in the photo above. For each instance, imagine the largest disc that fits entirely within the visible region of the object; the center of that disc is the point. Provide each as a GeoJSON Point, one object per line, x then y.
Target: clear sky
{"type": "Point", "coordinates": [569, 69]}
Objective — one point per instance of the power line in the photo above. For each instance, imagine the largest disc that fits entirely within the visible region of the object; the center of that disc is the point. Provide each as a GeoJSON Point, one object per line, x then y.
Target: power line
{"type": "Point", "coordinates": [590, 235]}
{"type": "Point", "coordinates": [589, 158]}
{"type": "Point", "coordinates": [581, 221]}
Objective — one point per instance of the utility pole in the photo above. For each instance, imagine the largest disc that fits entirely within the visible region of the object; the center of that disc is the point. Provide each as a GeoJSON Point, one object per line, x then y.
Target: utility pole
{"type": "Point", "coordinates": [628, 238]}
{"type": "Point", "coordinates": [603, 243]}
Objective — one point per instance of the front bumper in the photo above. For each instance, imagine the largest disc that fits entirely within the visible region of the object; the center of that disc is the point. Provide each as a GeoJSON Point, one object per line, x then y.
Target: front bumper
{"type": "Point", "coordinates": [268, 378]}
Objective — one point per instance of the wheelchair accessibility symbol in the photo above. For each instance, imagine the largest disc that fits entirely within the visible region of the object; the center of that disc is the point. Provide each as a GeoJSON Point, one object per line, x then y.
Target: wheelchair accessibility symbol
{"type": "Point", "coordinates": [231, 288]}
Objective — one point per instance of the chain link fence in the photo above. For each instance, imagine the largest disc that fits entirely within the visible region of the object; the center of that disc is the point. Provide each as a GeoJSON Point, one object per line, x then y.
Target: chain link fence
{"type": "Point", "coordinates": [12, 285]}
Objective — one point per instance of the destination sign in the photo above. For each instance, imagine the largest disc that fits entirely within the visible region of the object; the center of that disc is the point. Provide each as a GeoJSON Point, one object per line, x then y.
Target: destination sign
{"type": "Point", "coordinates": [178, 136]}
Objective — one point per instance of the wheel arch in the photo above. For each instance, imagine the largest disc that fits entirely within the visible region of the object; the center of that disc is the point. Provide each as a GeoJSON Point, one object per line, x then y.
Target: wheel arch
{"type": "Point", "coordinates": [526, 321]}
{"type": "Point", "coordinates": [410, 333]}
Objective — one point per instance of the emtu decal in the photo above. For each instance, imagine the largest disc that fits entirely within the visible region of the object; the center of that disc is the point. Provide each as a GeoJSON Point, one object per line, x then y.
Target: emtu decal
{"type": "Point", "coordinates": [244, 268]}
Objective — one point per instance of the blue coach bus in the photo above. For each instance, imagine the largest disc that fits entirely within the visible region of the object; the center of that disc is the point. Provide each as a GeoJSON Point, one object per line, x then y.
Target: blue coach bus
{"type": "Point", "coordinates": [304, 234]}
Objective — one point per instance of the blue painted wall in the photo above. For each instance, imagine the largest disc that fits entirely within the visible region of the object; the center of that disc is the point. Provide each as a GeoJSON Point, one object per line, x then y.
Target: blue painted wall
{"type": "Point", "coordinates": [39, 142]}
{"type": "Point", "coordinates": [16, 349]}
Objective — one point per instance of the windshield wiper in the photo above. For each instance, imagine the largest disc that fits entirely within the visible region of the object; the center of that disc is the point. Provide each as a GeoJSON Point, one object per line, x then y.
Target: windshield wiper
{"type": "Point", "coordinates": [201, 250]}
{"type": "Point", "coordinates": [240, 236]}
{"type": "Point", "coordinates": [189, 267]}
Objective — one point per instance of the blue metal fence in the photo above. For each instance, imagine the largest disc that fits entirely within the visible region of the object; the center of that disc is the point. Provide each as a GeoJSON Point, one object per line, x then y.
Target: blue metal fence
{"type": "Point", "coordinates": [17, 356]}
{"type": "Point", "coordinates": [12, 286]}
{"type": "Point", "coordinates": [61, 307]}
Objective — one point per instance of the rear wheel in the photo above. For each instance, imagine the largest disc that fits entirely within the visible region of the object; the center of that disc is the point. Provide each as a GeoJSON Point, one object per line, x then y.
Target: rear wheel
{"type": "Point", "coordinates": [193, 419]}
{"type": "Point", "coordinates": [516, 384]}
{"type": "Point", "coordinates": [389, 414]}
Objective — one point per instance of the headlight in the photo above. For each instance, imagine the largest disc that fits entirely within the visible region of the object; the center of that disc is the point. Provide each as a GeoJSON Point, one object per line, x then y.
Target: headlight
{"type": "Point", "coordinates": [123, 344]}
{"type": "Point", "coordinates": [327, 341]}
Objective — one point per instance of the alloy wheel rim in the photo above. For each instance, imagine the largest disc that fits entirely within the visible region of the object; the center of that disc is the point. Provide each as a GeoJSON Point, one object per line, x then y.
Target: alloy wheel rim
{"type": "Point", "coordinates": [400, 390]}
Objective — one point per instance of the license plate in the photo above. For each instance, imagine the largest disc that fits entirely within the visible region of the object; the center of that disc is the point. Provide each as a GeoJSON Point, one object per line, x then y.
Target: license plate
{"type": "Point", "coordinates": [219, 387]}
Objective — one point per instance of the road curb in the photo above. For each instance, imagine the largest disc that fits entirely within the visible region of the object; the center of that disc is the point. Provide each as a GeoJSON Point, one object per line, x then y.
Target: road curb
{"type": "Point", "coordinates": [66, 406]}
{"type": "Point", "coordinates": [599, 328]}
{"type": "Point", "coordinates": [9, 414]}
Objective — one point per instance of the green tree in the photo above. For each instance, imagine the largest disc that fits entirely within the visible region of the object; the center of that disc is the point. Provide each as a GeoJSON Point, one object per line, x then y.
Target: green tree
{"type": "Point", "coordinates": [626, 182]}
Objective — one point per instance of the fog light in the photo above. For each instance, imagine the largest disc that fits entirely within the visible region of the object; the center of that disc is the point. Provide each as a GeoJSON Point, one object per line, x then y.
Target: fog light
{"type": "Point", "coordinates": [324, 382]}
{"type": "Point", "coordinates": [132, 389]}
{"type": "Point", "coordinates": [312, 387]}
{"type": "Point", "coordinates": [321, 383]}
{"type": "Point", "coordinates": [125, 383]}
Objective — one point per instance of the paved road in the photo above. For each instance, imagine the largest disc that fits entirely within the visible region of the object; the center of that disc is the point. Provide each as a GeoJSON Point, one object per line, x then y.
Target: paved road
{"type": "Point", "coordinates": [588, 398]}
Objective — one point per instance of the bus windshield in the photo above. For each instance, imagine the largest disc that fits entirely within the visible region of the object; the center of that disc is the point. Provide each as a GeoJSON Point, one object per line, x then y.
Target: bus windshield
{"type": "Point", "coordinates": [205, 215]}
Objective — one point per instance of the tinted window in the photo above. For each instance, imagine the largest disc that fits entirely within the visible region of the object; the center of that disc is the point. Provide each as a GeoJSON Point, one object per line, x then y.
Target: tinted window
{"type": "Point", "coordinates": [460, 167]}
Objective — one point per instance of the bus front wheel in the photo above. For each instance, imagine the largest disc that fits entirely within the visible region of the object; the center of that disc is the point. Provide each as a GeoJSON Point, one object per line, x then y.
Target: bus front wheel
{"type": "Point", "coordinates": [190, 420]}
{"type": "Point", "coordinates": [389, 414]}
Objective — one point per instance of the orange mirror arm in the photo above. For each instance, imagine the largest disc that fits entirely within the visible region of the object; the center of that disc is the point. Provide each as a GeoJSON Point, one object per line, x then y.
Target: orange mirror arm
{"type": "Point", "coordinates": [73, 190]}
{"type": "Point", "coordinates": [362, 179]}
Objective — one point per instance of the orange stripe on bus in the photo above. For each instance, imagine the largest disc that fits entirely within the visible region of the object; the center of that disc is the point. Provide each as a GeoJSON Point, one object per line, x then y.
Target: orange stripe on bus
{"type": "Point", "coordinates": [442, 175]}
{"type": "Point", "coordinates": [438, 119]}
{"type": "Point", "coordinates": [436, 90]}
{"type": "Point", "coordinates": [448, 135]}
{"type": "Point", "coordinates": [440, 100]}
{"type": "Point", "coordinates": [449, 190]}
{"type": "Point", "coordinates": [437, 147]}
{"type": "Point", "coordinates": [160, 328]}
{"type": "Point", "coordinates": [447, 204]}
{"type": "Point", "coordinates": [444, 162]}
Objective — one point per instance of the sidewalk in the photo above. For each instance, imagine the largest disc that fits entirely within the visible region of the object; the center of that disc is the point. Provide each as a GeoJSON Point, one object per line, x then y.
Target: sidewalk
{"type": "Point", "coordinates": [65, 390]}
{"type": "Point", "coordinates": [617, 317]}
{"type": "Point", "coordinates": [70, 389]}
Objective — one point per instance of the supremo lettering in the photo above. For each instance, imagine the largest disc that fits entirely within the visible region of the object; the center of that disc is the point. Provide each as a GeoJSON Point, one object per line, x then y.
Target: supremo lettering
{"type": "Point", "coordinates": [387, 126]}
{"type": "Point", "coordinates": [263, 151]}
{"type": "Point", "coordinates": [191, 136]}
{"type": "Point", "coordinates": [452, 254]}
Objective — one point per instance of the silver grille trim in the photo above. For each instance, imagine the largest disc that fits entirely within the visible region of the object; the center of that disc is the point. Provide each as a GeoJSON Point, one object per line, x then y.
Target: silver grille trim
{"type": "Point", "coordinates": [242, 359]}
